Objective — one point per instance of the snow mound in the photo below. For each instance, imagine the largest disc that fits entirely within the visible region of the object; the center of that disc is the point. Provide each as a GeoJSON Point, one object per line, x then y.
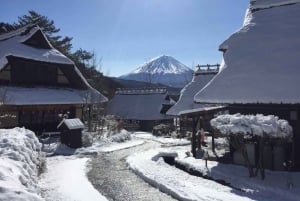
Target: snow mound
{"type": "Point", "coordinates": [123, 136]}
{"type": "Point", "coordinates": [20, 162]}
{"type": "Point", "coordinates": [259, 125]}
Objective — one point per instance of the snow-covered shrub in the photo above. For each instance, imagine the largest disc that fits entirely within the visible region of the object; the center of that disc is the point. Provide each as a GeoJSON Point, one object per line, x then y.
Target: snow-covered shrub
{"type": "Point", "coordinates": [21, 161]}
{"type": "Point", "coordinates": [252, 125]}
{"type": "Point", "coordinates": [124, 135]}
{"type": "Point", "coordinates": [113, 124]}
{"type": "Point", "coordinates": [239, 127]}
{"type": "Point", "coordinates": [161, 129]}
{"type": "Point", "coordinates": [87, 138]}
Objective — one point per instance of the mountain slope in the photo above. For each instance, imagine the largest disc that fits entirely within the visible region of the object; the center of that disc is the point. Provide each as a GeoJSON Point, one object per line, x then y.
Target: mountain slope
{"type": "Point", "coordinates": [164, 70]}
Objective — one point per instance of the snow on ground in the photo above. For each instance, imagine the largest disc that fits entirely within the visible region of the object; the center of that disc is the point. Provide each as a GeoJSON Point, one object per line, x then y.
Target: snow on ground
{"type": "Point", "coordinates": [273, 187]}
{"type": "Point", "coordinates": [20, 159]}
{"type": "Point", "coordinates": [184, 186]}
{"type": "Point", "coordinates": [66, 180]}
{"type": "Point", "coordinates": [176, 182]}
{"type": "Point", "coordinates": [118, 146]}
{"type": "Point", "coordinates": [166, 141]}
{"type": "Point", "coordinates": [65, 176]}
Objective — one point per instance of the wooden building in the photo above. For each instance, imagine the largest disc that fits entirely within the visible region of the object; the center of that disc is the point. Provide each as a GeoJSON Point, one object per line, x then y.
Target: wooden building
{"type": "Point", "coordinates": [140, 108]}
{"type": "Point", "coordinates": [38, 84]}
{"type": "Point", "coordinates": [260, 72]}
{"type": "Point", "coordinates": [71, 132]}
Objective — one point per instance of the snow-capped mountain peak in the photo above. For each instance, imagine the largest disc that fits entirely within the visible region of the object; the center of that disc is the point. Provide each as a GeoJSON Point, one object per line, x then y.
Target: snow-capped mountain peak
{"type": "Point", "coordinates": [164, 70]}
{"type": "Point", "coordinates": [162, 65]}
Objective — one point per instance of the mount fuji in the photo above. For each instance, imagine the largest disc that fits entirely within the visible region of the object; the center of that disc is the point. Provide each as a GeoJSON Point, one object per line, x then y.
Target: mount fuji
{"type": "Point", "coordinates": [163, 70]}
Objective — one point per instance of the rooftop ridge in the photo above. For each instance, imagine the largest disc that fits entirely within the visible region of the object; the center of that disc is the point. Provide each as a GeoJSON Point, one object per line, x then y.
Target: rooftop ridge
{"type": "Point", "coordinates": [145, 90]}
{"type": "Point", "coordinates": [17, 32]}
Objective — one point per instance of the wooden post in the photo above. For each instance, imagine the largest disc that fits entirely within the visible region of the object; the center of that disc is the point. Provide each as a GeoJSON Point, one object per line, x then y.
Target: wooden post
{"type": "Point", "coordinates": [213, 141]}
{"type": "Point", "coordinates": [90, 118]}
{"type": "Point", "coordinates": [200, 137]}
{"type": "Point", "coordinates": [194, 136]}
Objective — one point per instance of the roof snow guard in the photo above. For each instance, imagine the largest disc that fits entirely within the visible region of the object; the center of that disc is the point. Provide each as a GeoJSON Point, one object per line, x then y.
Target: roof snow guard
{"type": "Point", "coordinates": [207, 69]}
{"type": "Point", "coordinates": [127, 91]}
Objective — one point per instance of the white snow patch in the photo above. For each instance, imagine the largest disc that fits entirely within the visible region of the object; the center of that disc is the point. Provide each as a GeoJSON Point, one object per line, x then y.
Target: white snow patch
{"type": "Point", "coordinates": [183, 186]}
{"type": "Point", "coordinates": [166, 141]}
{"type": "Point", "coordinates": [118, 146]}
{"type": "Point", "coordinates": [177, 183]}
{"type": "Point", "coordinates": [66, 180]}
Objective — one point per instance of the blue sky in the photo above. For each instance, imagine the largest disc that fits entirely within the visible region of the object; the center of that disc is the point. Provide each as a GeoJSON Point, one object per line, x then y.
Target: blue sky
{"type": "Point", "coordinates": [126, 33]}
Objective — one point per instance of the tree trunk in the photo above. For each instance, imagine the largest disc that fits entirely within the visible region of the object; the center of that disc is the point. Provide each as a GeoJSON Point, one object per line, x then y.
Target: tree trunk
{"type": "Point", "coordinates": [238, 143]}
{"type": "Point", "coordinates": [261, 157]}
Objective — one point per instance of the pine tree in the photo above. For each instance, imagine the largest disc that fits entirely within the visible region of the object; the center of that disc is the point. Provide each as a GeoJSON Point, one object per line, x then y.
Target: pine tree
{"type": "Point", "coordinates": [5, 27]}
{"type": "Point", "coordinates": [63, 44]}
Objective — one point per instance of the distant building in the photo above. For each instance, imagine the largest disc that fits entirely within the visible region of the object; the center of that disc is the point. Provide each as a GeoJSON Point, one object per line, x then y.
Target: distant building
{"type": "Point", "coordinates": [200, 78]}
{"type": "Point", "coordinates": [193, 116]}
{"type": "Point", "coordinates": [38, 84]}
{"type": "Point", "coordinates": [140, 109]}
{"type": "Point", "coordinates": [260, 72]}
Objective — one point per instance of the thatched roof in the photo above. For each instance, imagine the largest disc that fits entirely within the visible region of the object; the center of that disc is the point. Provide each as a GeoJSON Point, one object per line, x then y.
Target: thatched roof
{"type": "Point", "coordinates": [138, 104]}
{"type": "Point", "coordinates": [31, 45]}
{"type": "Point", "coordinates": [186, 100]}
{"type": "Point", "coordinates": [261, 60]}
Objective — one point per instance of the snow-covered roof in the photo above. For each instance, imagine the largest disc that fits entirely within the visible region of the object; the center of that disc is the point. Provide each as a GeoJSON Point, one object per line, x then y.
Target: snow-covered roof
{"type": "Point", "coordinates": [186, 100]}
{"type": "Point", "coordinates": [143, 106]}
{"type": "Point", "coordinates": [16, 44]}
{"type": "Point", "coordinates": [46, 96]}
{"type": "Point", "coordinates": [205, 107]}
{"type": "Point", "coordinates": [261, 59]}
{"type": "Point", "coordinates": [71, 124]}
{"type": "Point", "coordinates": [12, 44]}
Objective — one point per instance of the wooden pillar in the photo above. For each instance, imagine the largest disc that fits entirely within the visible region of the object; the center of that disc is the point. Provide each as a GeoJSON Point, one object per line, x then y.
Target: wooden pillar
{"type": "Point", "coordinates": [199, 137]}
{"type": "Point", "coordinates": [195, 138]}
{"type": "Point", "coordinates": [194, 124]}
{"type": "Point", "coordinates": [213, 141]}
{"type": "Point", "coordinates": [90, 118]}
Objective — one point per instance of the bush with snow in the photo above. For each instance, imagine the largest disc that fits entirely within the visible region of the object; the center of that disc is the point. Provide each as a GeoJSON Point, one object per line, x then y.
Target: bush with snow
{"type": "Point", "coordinates": [249, 125]}
{"type": "Point", "coordinates": [21, 160]}
{"type": "Point", "coordinates": [123, 136]}
{"type": "Point", "coordinates": [238, 127]}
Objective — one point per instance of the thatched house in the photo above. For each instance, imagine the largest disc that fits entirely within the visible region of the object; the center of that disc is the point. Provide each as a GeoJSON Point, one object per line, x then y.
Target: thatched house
{"type": "Point", "coordinates": [194, 116]}
{"type": "Point", "coordinates": [140, 109]}
{"type": "Point", "coordinates": [38, 84]}
{"type": "Point", "coordinates": [260, 72]}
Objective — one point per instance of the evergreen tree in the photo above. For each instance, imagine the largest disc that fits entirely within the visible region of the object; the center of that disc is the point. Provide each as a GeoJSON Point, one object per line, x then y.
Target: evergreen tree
{"type": "Point", "coordinates": [63, 44]}
{"type": "Point", "coordinates": [5, 27]}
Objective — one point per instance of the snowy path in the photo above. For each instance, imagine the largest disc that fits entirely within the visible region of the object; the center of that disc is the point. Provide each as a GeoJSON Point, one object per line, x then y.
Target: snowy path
{"type": "Point", "coordinates": [109, 174]}
{"type": "Point", "coordinates": [66, 180]}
